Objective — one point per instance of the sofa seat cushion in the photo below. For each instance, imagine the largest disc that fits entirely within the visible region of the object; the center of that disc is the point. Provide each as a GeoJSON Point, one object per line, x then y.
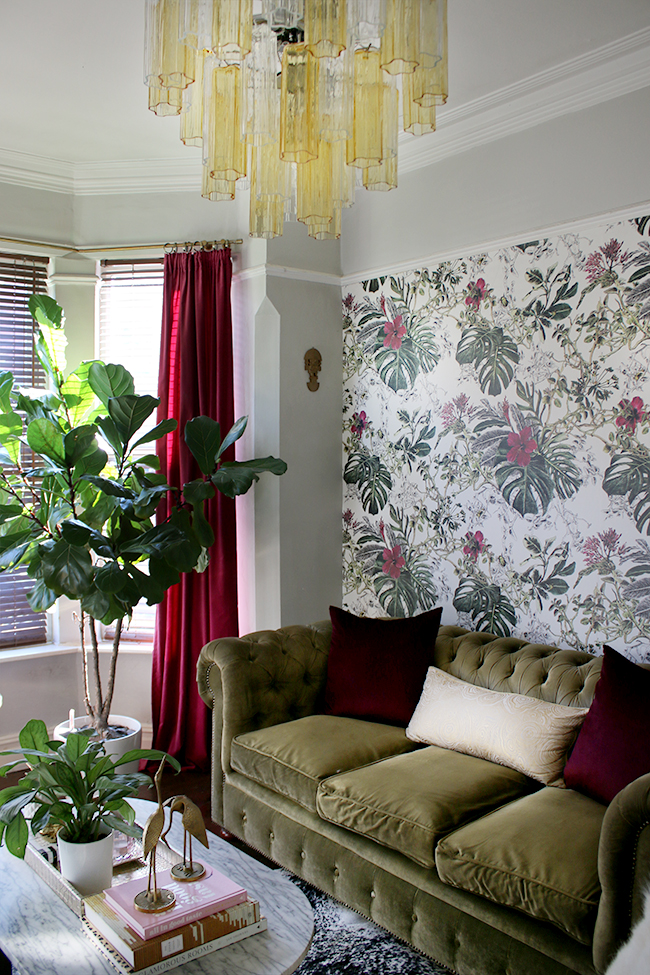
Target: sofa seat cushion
{"type": "Point", "coordinates": [407, 802]}
{"type": "Point", "coordinates": [292, 758]}
{"type": "Point", "coordinates": [538, 855]}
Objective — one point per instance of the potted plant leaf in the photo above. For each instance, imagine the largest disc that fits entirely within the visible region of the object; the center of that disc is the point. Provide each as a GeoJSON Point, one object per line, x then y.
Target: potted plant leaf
{"type": "Point", "coordinates": [76, 786]}
{"type": "Point", "coordinates": [78, 497]}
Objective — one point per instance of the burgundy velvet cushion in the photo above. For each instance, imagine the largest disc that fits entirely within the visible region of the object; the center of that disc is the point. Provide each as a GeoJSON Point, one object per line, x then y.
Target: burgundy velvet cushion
{"type": "Point", "coordinates": [613, 747]}
{"type": "Point", "coordinates": [376, 668]}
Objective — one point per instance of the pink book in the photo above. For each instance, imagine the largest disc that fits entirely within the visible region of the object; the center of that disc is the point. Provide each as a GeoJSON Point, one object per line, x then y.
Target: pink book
{"type": "Point", "coordinates": [194, 900]}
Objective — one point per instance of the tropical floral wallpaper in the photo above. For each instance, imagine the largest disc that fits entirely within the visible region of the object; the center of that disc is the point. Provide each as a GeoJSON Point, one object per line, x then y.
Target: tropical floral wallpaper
{"type": "Point", "coordinates": [496, 435]}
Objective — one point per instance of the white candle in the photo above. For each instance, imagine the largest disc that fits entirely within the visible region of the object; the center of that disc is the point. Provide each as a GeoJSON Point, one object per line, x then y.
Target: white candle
{"type": "Point", "coordinates": [71, 719]}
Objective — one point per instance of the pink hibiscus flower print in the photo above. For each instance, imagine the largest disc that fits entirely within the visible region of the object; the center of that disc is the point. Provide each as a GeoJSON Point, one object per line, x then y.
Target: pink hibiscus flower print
{"type": "Point", "coordinates": [395, 332]}
{"type": "Point", "coordinates": [475, 545]}
{"type": "Point", "coordinates": [359, 423]}
{"type": "Point", "coordinates": [476, 292]}
{"type": "Point", "coordinates": [521, 446]}
{"type": "Point", "coordinates": [394, 561]}
{"type": "Point", "coordinates": [631, 414]}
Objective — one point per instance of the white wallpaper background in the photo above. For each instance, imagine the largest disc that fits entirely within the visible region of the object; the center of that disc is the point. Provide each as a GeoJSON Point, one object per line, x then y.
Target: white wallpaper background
{"type": "Point", "coordinates": [496, 436]}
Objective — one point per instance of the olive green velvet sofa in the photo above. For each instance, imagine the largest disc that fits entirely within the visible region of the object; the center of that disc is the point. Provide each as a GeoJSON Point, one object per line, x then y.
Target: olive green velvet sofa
{"type": "Point", "coordinates": [562, 881]}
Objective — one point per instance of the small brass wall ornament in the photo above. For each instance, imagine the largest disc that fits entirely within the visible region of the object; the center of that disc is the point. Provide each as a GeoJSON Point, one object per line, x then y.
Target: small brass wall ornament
{"type": "Point", "coordinates": [313, 362]}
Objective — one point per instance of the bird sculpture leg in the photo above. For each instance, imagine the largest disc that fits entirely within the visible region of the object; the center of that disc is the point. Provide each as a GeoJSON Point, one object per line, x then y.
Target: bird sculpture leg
{"type": "Point", "coordinates": [193, 826]}
{"type": "Point", "coordinates": [157, 899]}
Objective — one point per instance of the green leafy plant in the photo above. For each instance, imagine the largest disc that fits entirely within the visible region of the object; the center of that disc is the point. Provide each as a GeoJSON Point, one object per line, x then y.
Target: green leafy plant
{"type": "Point", "coordinates": [74, 785]}
{"type": "Point", "coordinates": [78, 499]}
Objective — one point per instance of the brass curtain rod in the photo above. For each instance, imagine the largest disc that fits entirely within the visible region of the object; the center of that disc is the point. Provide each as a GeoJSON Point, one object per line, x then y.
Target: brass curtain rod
{"type": "Point", "coordinates": [167, 248]}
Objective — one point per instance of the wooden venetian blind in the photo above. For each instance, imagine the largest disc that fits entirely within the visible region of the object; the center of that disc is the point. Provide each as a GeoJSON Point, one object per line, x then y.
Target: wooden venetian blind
{"type": "Point", "coordinates": [130, 318]}
{"type": "Point", "coordinates": [20, 277]}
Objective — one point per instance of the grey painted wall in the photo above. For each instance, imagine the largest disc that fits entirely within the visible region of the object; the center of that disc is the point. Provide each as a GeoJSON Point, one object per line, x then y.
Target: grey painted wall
{"type": "Point", "coordinates": [578, 166]}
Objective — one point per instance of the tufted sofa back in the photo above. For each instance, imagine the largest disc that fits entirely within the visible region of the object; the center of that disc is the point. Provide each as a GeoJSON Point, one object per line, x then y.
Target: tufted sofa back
{"type": "Point", "coordinates": [512, 665]}
{"type": "Point", "coordinates": [273, 676]}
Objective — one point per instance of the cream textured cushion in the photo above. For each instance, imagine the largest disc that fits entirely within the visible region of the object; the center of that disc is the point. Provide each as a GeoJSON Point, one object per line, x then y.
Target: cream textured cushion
{"type": "Point", "coordinates": [524, 733]}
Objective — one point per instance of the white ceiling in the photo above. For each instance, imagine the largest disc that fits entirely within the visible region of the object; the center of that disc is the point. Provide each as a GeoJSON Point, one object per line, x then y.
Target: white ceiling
{"type": "Point", "coordinates": [71, 73]}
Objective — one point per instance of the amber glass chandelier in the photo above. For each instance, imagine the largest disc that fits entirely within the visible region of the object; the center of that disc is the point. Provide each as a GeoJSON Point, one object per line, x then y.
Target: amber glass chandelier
{"type": "Point", "coordinates": [297, 100]}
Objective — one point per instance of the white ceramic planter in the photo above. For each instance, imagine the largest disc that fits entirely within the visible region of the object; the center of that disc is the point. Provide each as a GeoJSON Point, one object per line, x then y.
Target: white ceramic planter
{"type": "Point", "coordinates": [114, 746]}
{"type": "Point", "coordinates": [89, 866]}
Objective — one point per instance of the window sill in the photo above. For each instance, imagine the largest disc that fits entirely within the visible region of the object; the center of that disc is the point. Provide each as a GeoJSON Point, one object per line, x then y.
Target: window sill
{"type": "Point", "coordinates": [50, 649]}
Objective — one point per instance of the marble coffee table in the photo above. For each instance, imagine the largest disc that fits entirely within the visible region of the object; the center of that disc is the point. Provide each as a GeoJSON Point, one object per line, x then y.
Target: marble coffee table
{"type": "Point", "coordinates": [42, 936]}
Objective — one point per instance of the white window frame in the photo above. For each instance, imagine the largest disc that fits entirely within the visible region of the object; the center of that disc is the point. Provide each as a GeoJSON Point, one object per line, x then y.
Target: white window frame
{"type": "Point", "coordinates": [125, 293]}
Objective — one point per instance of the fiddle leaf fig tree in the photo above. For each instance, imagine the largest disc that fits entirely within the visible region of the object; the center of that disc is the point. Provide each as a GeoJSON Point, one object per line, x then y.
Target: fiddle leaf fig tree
{"type": "Point", "coordinates": [78, 497]}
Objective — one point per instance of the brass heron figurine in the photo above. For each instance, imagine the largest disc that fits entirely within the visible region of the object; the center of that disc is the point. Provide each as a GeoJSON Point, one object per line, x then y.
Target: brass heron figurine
{"type": "Point", "coordinates": [154, 898]}
{"type": "Point", "coordinates": [193, 826]}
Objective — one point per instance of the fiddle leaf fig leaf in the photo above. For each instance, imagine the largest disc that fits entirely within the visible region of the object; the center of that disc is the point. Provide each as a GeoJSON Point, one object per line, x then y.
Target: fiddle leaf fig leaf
{"type": "Point", "coordinates": [68, 569]}
{"type": "Point", "coordinates": [202, 528]}
{"type": "Point", "coordinates": [236, 477]}
{"type": "Point", "coordinates": [233, 434]}
{"type": "Point", "coordinates": [113, 488]}
{"type": "Point", "coordinates": [45, 310]}
{"type": "Point", "coordinates": [128, 413]}
{"type": "Point", "coordinates": [79, 396]}
{"type": "Point", "coordinates": [79, 442]}
{"type": "Point", "coordinates": [110, 578]}
{"type": "Point", "coordinates": [45, 438]}
{"type": "Point", "coordinates": [75, 532]}
{"type": "Point", "coordinates": [11, 427]}
{"type": "Point", "coordinates": [6, 385]}
{"type": "Point", "coordinates": [41, 597]}
{"type": "Point", "coordinates": [197, 491]}
{"type": "Point", "coordinates": [108, 380]}
{"type": "Point", "coordinates": [50, 343]}
{"type": "Point", "coordinates": [203, 437]}
{"type": "Point", "coordinates": [160, 429]}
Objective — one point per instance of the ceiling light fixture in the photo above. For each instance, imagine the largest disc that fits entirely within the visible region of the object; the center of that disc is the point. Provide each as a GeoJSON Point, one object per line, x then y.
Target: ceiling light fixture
{"type": "Point", "coordinates": [296, 99]}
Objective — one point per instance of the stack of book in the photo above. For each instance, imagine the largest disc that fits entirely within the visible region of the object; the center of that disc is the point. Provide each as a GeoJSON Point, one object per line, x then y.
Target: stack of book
{"type": "Point", "coordinates": [209, 913]}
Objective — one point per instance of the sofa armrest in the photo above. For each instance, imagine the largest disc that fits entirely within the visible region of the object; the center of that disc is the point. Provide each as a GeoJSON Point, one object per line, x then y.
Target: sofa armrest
{"type": "Point", "coordinates": [623, 867]}
{"type": "Point", "coordinates": [260, 680]}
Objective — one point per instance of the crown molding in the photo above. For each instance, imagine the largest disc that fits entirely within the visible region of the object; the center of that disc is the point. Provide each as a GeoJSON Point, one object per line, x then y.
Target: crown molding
{"type": "Point", "coordinates": [608, 72]}
{"type": "Point", "coordinates": [36, 172]}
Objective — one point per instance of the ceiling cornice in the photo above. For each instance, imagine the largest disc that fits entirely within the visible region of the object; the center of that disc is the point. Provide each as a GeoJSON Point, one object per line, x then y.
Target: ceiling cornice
{"type": "Point", "coordinates": [616, 69]}
{"type": "Point", "coordinates": [608, 72]}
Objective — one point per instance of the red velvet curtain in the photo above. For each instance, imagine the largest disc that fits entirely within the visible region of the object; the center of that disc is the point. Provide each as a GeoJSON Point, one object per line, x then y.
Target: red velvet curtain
{"type": "Point", "coordinates": [196, 378]}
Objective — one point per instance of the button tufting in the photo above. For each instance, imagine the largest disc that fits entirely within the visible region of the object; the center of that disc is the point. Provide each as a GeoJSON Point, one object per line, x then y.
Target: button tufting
{"type": "Point", "coordinates": [243, 818]}
{"type": "Point", "coordinates": [271, 835]}
{"type": "Point", "coordinates": [335, 873]}
{"type": "Point", "coordinates": [302, 854]}
{"type": "Point", "coordinates": [372, 894]}
{"type": "Point", "coordinates": [414, 918]}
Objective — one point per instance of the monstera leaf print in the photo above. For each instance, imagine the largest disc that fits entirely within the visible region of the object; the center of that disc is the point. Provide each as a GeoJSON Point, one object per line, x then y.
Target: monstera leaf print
{"type": "Point", "coordinates": [489, 608]}
{"type": "Point", "coordinates": [629, 474]}
{"type": "Point", "coordinates": [492, 352]}
{"type": "Point", "coordinates": [640, 280]}
{"type": "Point", "coordinates": [372, 477]}
{"type": "Point", "coordinates": [532, 465]}
{"type": "Point", "coordinates": [402, 345]}
{"type": "Point", "coordinates": [400, 577]}
{"type": "Point", "coordinates": [528, 489]}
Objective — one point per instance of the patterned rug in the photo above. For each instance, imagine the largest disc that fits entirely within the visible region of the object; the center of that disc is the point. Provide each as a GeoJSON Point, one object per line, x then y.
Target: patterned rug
{"type": "Point", "coordinates": [345, 943]}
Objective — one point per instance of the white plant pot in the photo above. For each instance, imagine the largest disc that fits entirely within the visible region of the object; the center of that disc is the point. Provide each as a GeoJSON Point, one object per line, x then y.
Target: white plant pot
{"type": "Point", "coordinates": [114, 746]}
{"type": "Point", "coordinates": [88, 866]}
